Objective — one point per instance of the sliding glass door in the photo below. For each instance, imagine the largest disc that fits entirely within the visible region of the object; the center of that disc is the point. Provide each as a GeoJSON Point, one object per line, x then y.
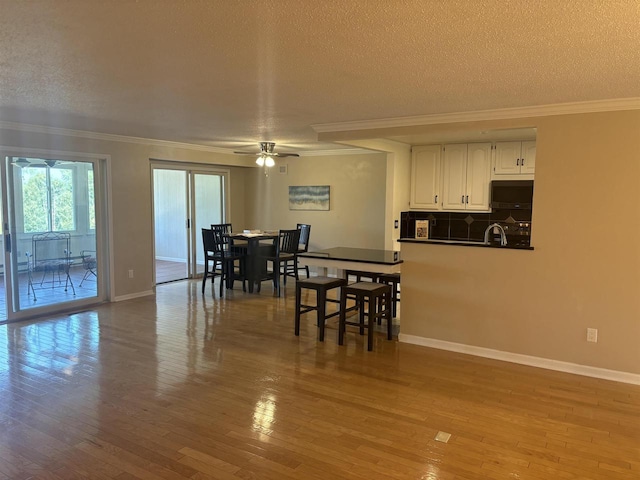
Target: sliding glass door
{"type": "Point", "coordinates": [207, 194]}
{"type": "Point", "coordinates": [49, 227]}
{"type": "Point", "coordinates": [185, 201]}
{"type": "Point", "coordinates": [170, 205]}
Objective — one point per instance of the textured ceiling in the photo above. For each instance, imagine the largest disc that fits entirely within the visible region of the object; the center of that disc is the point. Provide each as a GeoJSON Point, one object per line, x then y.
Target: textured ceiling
{"type": "Point", "coordinates": [231, 73]}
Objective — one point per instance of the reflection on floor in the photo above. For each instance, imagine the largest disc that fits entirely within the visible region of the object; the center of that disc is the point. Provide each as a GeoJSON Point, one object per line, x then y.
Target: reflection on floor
{"type": "Point", "coordinates": [167, 271]}
{"type": "Point", "coordinates": [182, 385]}
{"type": "Point", "coordinates": [45, 294]}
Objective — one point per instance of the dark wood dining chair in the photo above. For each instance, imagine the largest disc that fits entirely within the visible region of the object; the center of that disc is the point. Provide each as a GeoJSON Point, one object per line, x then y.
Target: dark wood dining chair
{"type": "Point", "coordinates": [227, 229]}
{"type": "Point", "coordinates": [285, 256]}
{"type": "Point", "coordinates": [226, 258]}
{"type": "Point", "coordinates": [303, 244]}
{"type": "Point", "coordinates": [210, 258]}
{"type": "Point", "coordinates": [291, 269]}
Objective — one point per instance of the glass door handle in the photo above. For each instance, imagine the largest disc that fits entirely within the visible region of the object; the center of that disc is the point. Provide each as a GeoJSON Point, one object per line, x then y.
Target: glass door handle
{"type": "Point", "coordinates": [7, 242]}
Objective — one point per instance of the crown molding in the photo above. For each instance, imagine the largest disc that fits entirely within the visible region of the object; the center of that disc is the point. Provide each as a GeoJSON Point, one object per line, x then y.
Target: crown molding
{"type": "Point", "coordinates": [337, 151]}
{"type": "Point", "coordinates": [484, 115]}
{"type": "Point", "coordinates": [25, 127]}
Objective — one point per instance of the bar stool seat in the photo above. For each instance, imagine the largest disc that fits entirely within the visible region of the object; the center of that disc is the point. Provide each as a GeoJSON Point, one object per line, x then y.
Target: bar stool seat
{"type": "Point", "coordinates": [321, 285]}
{"type": "Point", "coordinates": [379, 301]}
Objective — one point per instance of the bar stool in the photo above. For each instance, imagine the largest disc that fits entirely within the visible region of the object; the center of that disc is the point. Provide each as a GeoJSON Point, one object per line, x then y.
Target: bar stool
{"type": "Point", "coordinates": [393, 280]}
{"type": "Point", "coordinates": [378, 296]}
{"type": "Point", "coordinates": [359, 274]}
{"type": "Point", "coordinates": [321, 285]}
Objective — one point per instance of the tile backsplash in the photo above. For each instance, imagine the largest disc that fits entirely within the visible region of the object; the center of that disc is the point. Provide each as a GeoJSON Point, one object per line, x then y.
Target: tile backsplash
{"type": "Point", "coordinates": [469, 226]}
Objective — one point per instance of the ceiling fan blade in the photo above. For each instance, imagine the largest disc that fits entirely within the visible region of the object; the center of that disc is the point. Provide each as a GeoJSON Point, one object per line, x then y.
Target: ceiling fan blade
{"type": "Point", "coordinates": [266, 149]}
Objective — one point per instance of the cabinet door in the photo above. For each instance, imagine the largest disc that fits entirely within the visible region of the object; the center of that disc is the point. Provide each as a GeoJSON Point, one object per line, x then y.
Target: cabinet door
{"type": "Point", "coordinates": [528, 157]}
{"type": "Point", "coordinates": [454, 181]}
{"type": "Point", "coordinates": [478, 176]}
{"type": "Point", "coordinates": [425, 177]}
{"type": "Point", "coordinates": [507, 161]}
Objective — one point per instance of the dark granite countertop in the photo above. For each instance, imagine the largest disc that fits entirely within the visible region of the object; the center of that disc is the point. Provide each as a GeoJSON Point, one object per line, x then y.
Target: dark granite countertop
{"type": "Point", "coordinates": [463, 243]}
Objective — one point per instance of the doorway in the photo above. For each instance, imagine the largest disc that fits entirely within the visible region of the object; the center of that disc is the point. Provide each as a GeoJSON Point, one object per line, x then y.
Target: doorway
{"type": "Point", "coordinates": [51, 228]}
{"type": "Point", "coordinates": [184, 201]}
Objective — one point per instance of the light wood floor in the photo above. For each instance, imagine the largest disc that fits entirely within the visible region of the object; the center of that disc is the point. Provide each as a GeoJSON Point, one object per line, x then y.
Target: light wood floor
{"type": "Point", "coordinates": [187, 386]}
{"type": "Point", "coordinates": [167, 271]}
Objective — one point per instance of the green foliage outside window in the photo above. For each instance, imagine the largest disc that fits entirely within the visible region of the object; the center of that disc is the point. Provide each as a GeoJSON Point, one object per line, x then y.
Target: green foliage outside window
{"type": "Point", "coordinates": [92, 201]}
{"type": "Point", "coordinates": [62, 200]}
{"type": "Point", "coordinates": [47, 200]}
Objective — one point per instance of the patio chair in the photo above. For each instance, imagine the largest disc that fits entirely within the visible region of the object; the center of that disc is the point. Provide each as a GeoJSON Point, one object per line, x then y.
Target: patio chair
{"type": "Point", "coordinates": [89, 263]}
{"type": "Point", "coordinates": [50, 255]}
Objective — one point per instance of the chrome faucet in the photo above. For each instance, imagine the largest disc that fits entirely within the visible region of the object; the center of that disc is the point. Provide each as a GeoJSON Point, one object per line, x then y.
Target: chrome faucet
{"type": "Point", "coordinates": [503, 236]}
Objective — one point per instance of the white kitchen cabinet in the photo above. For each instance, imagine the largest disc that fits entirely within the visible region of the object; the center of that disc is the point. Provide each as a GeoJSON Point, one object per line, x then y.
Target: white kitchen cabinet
{"type": "Point", "coordinates": [528, 163]}
{"type": "Point", "coordinates": [466, 176]}
{"type": "Point", "coordinates": [425, 177]}
{"type": "Point", "coordinates": [515, 158]}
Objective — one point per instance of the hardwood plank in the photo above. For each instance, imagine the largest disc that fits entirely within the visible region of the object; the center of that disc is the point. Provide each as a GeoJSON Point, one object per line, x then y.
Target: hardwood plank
{"type": "Point", "coordinates": [182, 385]}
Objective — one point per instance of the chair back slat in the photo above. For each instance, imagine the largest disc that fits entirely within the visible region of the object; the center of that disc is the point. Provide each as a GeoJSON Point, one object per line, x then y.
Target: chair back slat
{"type": "Point", "coordinates": [221, 232]}
{"type": "Point", "coordinates": [220, 241]}
{"type": "Point", "coordinates": [289, 241]}
{"type": "Point", "coordinates": [224, 227]}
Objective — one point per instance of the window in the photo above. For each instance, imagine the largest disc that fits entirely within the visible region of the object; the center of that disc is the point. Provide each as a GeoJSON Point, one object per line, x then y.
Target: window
{"type": "Point", "coordinates": [47, 199]}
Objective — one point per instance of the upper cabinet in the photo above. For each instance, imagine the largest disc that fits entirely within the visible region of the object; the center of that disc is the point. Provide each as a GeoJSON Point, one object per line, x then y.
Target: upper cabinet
{"type": "Point", "coordinates": [515, 158]}
{"type": "Point", "coordinates": [458, 177]}
{"type": "Point", "coordinates": [425, 177]}
{"type": "Point", "coordinates": [466, 176]}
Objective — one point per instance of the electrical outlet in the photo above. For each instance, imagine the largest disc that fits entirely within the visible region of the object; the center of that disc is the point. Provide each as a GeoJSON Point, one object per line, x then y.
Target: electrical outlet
{"type": "Point", "coordinates": [130, 273]}
{"type": "Point", "coordinates": [592, 335]}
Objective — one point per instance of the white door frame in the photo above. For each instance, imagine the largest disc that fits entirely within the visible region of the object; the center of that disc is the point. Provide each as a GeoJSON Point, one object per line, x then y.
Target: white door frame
{"type": "Point", "coordinates": [104, 228]}
{"type": "Point", "coordinates": [190, 169]}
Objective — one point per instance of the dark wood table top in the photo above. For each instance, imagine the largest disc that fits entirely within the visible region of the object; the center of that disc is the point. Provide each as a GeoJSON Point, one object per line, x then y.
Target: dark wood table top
{"type": "Point", "coordinates": [251, 236]}
{"type": "Point", "coordinates": [361, 255]}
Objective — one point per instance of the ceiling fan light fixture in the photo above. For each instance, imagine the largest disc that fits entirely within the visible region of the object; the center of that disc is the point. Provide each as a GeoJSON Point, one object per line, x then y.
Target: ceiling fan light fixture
{"type": "Point", "coordinates": [269, 161]}
{"type": "Point", "coordinates": [260, 160]}
{"type": "Point", "coordinates": [22, 162]}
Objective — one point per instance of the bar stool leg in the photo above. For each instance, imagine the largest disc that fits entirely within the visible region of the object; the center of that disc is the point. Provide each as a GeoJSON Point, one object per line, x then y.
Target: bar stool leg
{"type": "Point", "coordinates": [321, 299]}
{"type": "Point", "coordinates": [371, 320]}
{"type": "Point", "coordinates": [343, 316]}
{"type": "Point", "coordinates": [360, 301]}
{"type": "Point", "coordinates": [389, 314]}
{"type": "Point", "coordinates": [298, 302]}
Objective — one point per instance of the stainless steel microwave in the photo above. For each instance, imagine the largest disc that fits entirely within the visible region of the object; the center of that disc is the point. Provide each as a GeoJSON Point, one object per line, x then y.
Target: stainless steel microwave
{"type": "Point", "coordinates": [512, 194]}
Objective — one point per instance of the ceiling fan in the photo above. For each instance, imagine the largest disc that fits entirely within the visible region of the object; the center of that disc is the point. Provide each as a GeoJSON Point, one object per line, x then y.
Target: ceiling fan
{"type": "Point", "coordinates": [36, 162]}
{"type": "Point", "coordinates": [266, 154]}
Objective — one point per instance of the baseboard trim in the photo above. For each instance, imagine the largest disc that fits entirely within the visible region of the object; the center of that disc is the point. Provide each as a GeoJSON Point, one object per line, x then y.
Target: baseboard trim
{"type": "Point", "coordinates": [131, 296]}
{"type": "Point", "coordinates": [567, 367]}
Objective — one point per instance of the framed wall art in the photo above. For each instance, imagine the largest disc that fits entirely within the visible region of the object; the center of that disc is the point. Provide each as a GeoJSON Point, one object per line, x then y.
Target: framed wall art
{"type": "Point", "coordinates": [309, 197]}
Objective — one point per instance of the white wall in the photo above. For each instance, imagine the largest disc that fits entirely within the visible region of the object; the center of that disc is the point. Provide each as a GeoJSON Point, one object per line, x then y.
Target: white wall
{"type": "Point", "coordinates": [584, 271]}
{"type": "Point", "coordinates": [130, 195]}
{"type": "Point", "coordinates": [358, 197]}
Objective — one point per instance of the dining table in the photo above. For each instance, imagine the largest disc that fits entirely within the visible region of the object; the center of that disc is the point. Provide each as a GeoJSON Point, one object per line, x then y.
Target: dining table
{"type": "Point", "coordinates": [258, 246]}
{"type": "Point", "coordinates": [349, 258]}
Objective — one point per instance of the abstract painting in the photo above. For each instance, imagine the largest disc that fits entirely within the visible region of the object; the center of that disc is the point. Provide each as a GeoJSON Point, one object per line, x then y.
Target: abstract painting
{"type": "Point", "coordinates": [309, 198]}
